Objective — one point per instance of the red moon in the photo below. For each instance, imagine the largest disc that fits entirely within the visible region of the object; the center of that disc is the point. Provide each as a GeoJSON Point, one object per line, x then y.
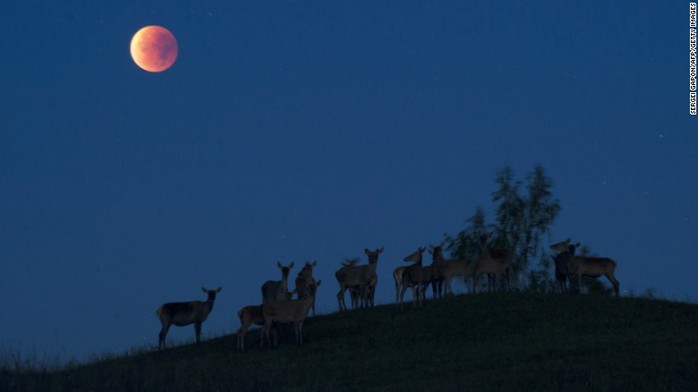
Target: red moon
{"type": "Point", "coordinates": [154, 48]}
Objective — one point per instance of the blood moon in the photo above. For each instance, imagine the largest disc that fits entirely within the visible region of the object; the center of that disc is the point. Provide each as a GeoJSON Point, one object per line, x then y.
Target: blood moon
{"type": "Point", "coordinates": [154, 48]}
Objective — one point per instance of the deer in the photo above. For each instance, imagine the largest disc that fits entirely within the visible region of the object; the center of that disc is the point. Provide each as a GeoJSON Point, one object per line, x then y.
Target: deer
{"type": "Point", "coordinates": [486, 263]}
{"type": "Point", "coordinates": [561, 259]}
{"type": "Point", "coordinates": [432, 276]}
{"type": "Point", "coordinates": [413, 276]}
{"type": "Point", "coordinates": [593, 267]}
{"type": "Point", "coordinates": [294, 311]}
{"type": "Point", "coordinates": [363, 276]}
{"type": "Point", "coordinates": [252, 314]}
{"type": "Point", "coordinates": [277, 289]}
{"type": "Point", "coordinates": [307, 269]}
{"type": "Point", "coordinates": [305, 281]}
{"type": "Point", "coordinates": [248, 315]}
{"type": "Point", "coordinates": [436, 276]}
{"type": "Point", "coordinates": [449, 269]}
{"type": "Point", "coordinates": [356, 293]}
{"type": "Point", "coordinates": [185, 313]}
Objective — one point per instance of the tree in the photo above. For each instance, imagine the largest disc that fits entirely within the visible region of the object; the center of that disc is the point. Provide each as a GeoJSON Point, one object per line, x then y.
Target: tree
{"type": "Point", "coordinates": [540, 211]}
{"type": "Point", "coordinates": [509, 211]}
{"type": "Point", "coordinates": [520, 220]}
{"type": "Point", "coordinates": [466, 245]}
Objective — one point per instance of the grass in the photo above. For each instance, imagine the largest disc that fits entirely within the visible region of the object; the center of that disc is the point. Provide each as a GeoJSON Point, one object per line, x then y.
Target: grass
{"type": "Point", "coordinates": [477, 342]}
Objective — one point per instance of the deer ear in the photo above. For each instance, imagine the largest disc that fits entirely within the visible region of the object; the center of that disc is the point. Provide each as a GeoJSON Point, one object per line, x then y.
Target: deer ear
{"type": "Point", "coordinates": [290, 265]}
{"type": "Point", "coordinates": [314, 263]}
{"type": "Point", "coordinates": [204, 290]}
{"type": "Point", "coordinates": [380, 250]}
{"type": "Point", "coordinates": [278, 264]}
{"type": "Point", "coordinates": [218, 290]}
{"type": "Point", "coordinates": [367, 251]}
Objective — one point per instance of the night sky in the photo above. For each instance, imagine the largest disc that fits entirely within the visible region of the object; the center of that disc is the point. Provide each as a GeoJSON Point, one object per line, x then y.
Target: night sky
{"type": "Point", "coordinates": [310, 130]}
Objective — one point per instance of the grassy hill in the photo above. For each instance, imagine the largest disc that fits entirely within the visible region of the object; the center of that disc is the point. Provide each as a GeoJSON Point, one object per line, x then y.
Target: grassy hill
{"type": "Point", "coordinates": [475, 342]}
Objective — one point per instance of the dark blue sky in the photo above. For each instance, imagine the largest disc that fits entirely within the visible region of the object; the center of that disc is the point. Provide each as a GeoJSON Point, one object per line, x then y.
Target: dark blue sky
{"type": "Point", "coordinates": [299, 130]}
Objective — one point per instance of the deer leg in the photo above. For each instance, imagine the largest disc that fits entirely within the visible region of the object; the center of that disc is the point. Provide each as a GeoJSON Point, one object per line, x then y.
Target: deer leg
{"type": "Point", "coordinates": [340, 298]}
{"type": "Point", "coordinates": [162, 336]}
{"type": "Point", "coordinates": [614, 282]}
{"type": "Point", "coordinates": [568, 283]}
{"type": "Point", "coordinates": [402, 295]}
{"type": "Point", "coordinates": [265, 334]}
{"type": "Point", "coordinates": [197, 330]}
{"type": "Point", "coordinates": [241, 338]}
{"type": "Point", "coordinates": [353, 296]}
{"type": "Point", "coordinates": [397, 292]}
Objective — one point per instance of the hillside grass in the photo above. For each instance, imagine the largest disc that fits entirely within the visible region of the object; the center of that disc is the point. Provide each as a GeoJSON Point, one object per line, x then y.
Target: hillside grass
{"type": "Point", "coordinates": [485, 342]}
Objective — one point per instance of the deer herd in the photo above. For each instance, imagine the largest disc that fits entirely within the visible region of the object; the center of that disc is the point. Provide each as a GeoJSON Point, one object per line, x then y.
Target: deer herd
{"type": "Point", "coordinates": [278, 305]}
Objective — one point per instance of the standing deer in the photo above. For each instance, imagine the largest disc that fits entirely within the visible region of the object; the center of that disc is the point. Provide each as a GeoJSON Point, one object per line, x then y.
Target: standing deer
{"type": "Point", "coordinates": [432, 276]}
{"type": "Point", "coordinates": [305, 282]}
{"type": "Point", "coordinates": [413, 277]}
{"type": "Point", "coordinates": [356, 293]}
{"type": "Point", "coordinates": [488, 264]}
{"type": "Point", "coordinates": [185, 313]}
{"type": "Point", "coordinates": [252, 314]}
{"type": "Point", "coordinates": [562, 259]}
{"type": "Point", "coordinates": [248, 315]}
{"type": "Point", "coordinates": [436, 276]}
{"type": "Point", "coordinates": [294, 311]}
{"type": "Point", "coordinates": [593, 267]}
{"type": "Point", "coordinates": [277, 289]}
{"type": "Point", "coordinates": [307, 269]}
{"type": "Point", "coordinates": [362, 276]}
{"type": "Point", "coordinates": [449, 269]}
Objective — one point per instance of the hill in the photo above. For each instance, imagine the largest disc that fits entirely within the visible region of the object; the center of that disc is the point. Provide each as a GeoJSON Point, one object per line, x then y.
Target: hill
{"type": "Point", "coordinates": [474, 342]}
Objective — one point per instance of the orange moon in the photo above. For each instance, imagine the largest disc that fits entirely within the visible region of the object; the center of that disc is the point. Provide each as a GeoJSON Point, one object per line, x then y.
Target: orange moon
{"type": "Point", "coordinates": [154, 48]}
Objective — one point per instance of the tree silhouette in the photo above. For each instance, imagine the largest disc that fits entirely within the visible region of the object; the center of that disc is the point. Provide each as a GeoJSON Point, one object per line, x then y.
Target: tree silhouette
{"type": "Point", "coordinates": [520, 221]}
